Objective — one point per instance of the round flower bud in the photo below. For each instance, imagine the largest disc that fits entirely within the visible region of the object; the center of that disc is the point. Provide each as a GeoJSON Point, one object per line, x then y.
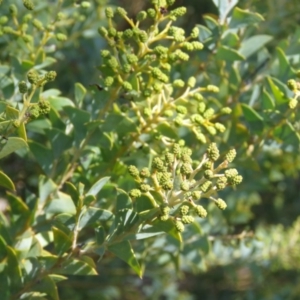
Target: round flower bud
{"type": "Point", "coordinates": [179, 226]}
{"type": "Point", "coordinates": [230, 156]}
{"type": "Point", "coordinates": [141, 16]}
{"type": "Point", "coordinates": [176, 149]}
{"type": "Point", "coordinates": [158, 164]}
{"type": "Point", "coordinates": [178, 83]}
{"type": "Point", "coordinates": [186, 169]}
{"type": "Point", "coordinates": [191, 82]}
{"type": "Point", "coordinates": [102, 31]}
{"type": "Point", "coordinates": [204, 187]}
{"type": "Point", "coordinates": [201, 107]}
{"type": "Point", "coordinates": [221, 203]}
{"type": "Point", "coordinates": [167, 186]}
{"type": "Point", "coordinates": [133, 171]}
{"type": "Point", "coordinates": [145, 187]}
{"type": "Point", "coordinates": [128, 33]}
{"type": "Point", "coordinates": [188, 46]}
{"type": "Point", "coordinates": [112, 32]}
{"type": "Point", "coordinates": [164, 218]}
{"type": "Point", "coordinates": [184, 209]}
{"type": "Point", "coordinates": [132, 58]}
{"type": "Point", "coordinates": [50, 76]}
{"type": "Point", "coordinates": [186, 157]}
{"type": "Point", "coordinates": [221, 183]}
{"type": "Point", "coordinates": [109, 80]}
{"type": "Point", "coordinates": [178, 121]}
{"type": "Point", "coordinates": [235, 180]}
{"type": "Point", "coordinates": [231, 173]}
{"type": "Point", "coordinates": [199, 97]}
{"type": "Point", "coordinates": [211, 129]}
{"type": "Point", "coordinates": [151, 13]}
{"type": "Point", "coordinates": [44, 107]}
{"type": "Point", "coordinates": [85, 4]}
{"type": "Point", "coordinates": [195, 32]}
{"type": "Point", "coordinates": [23, 87]}
{"type": "Point", "coordinates": [61, 37]}
{"type": "Point", "coordinates": [178, 12]}
{"type": "Point", "coordinates": [293, 103]}
{"type": "Point", "coordinates": [200, 211]}
{"type": "Point", "coordinates": [212, 88]}
{"type": "Point", "coordinates": [170, 158]}
{"type": "Point", "coordinates": [135, 193]}
{"type": "Point", "coordinates": [196, 195]}
{"type": "Point", "coordinates": [28, 4]}
{"type": "Point", "coordinates": [213, 152]}
{"type": "Point", "coordinates": [32, 76]}
{"type": "Point", "coordinates": [3, 20]}
{"type": "Point", "coordinates": [197, 45]}
{"type": "Point", "coordinates": [13, 10]}
{"type": "Point", "coordinates": [145, 173]}
{"type": "Point", "coordinates": [109, 13]}
{"type": "Point", "coordinates": [292, 85]}
{"type": "Point", "coordinates": [201, 138]}
{"type": "Point", "coordinates": [165, 209]}
{"type": "Point", "coordinates": [208, 113]}
{"type": "Point", "coordinates": [180, 109]}
{"type": "Point", "coordinates": [170, 2]}
{"type": "Point", "coordinates": [187, 219]}
{"type": "Point", "coordinates": [121, 11]}
{"type": "Point", "coordinates": [185, 186]}
{"type": "Point", "coordinates": [34, 112]}
{"type": "Point", "coordinates": [147, 112]}
{"type": "Point", "coordinates": [220, 127]}
{"type": "Point", "coordinates": [226, 110]}
{"type": "Point", "coordinates": [208, 174]}
{"type": "Point", "coordinates": [112, 63]}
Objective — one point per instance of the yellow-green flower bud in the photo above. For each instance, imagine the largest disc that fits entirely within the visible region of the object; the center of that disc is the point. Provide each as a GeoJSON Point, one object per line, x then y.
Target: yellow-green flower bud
{"type": "Point", "coordinates": [198, 97]}
{"type": "Point", "coordinates": [102, 31]}
{"type": "Point", "coordinates": [208, 174]}
{"type": "Point", "coordinates": [230, 156]}
{"type": "Point", "coordinates": [109, 13]}
{"type": "Point", "coordinates": [293, 103]}
{"type": "Point", "coordinates": [187, 219]}
{"type": "Point", "coordinates": [151, 13]}
{"type": "Point", "coordinates": [197, 45]}
{"type": "Point", "coordinates": [132, 58]}
{"type": "Point", "coordinates": [50, 76]}
{"type": "Point", "coordinates": [167, 186]}
{"type": "Point", "coordinates": [221, 183]}
{"type": "Point", "coordinates": [195, 32]}
{"type": "Point", "coordinates": [127, 86]}
{"type": "Point", "coordinates": [141, 16]}
{"type": "Point", "coordinates": [200, 211]}
{"type": "Point", "coordinates": [292, 85]}
{"type": "Point", "coordinates": [23, 87]}
{"type": "Point", "coordinates": [226, 110]}
{"type": "Point", "coordinates": [180, 109]}
{"type": "Point", "coordinates": [3, 20]}
{"type": "Point", "coordinates": [220, 127]}
{"type": "Point", "coordinates": [32, 76]}
{"type": "Point", "coordinates": [204, 187]}
{"type": "Point", "coordinates": [158, 164]}
{"type": "Point", "coordinates": [185, 186]}
{"type": "Point", "coordinates": [191, 82]}
{"type": "Point", "coordinates": [112, 63]}
{"type": "Point", "coordinates": [213, 152]}
{"type": "Point", "coordinates": [44, 107]}
{"type": "Point", "coordinates": [37, 24]}
{"type": "Point", "coordinates": [201, 137]}
{"type": "Point", "coordinates": [179, 226]}
{"type": "Point", "coordinates": [109, 80]}
{"type": "Point", "coordinates": [13, 10]}
{"type": "Point", "coordinates": [28, 4]}
{"type": "Point", "coordinates": [170, 2]}
{"type": "Point", "coordinates": [197, 119]}
{"type": "Point", "coordinates": [186, 169]}
{"type": "Point", "coordinates": [196, 195]}
{"type": "Point", "coordinates": [221, 203]}
{"type": "Point", "coordinates": [112, 32]}
{"type": "Point", "coordinates": [178, 83]}
{"type": "Point", "coordinates": [145, 187]}
{"type": "Point", "coordinates": [85, 4]}
{"type": "Point", "coordinates": [135, 193]}
{"type": "Point", "coordinates": [212, 88]}
{"type": "Point", "coordinates": [61, 37]}
{"type": "Point", "coordinates": [145, 173]}
{"type": "Point", "coordinates": [164, 218]}
{"type": "Point", "coordinates": [121, 11]}
{"type": "Point", "coordinates": [209, 113]}
{"type": "Point", "coordinates": [184, 209]}
{"type": "Point", "coordinates": [133, 171]}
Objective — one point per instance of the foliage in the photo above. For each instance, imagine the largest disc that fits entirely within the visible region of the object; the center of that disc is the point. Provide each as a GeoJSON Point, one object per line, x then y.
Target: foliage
{"type": "Point", "coordinates": [163, 161]}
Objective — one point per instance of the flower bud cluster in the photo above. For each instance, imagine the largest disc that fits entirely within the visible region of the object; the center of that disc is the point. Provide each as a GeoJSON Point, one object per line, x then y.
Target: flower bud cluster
{"type": "Point", "coordinates": [181, 181]}
{"type": "Point", "coordinates": [294, 86]}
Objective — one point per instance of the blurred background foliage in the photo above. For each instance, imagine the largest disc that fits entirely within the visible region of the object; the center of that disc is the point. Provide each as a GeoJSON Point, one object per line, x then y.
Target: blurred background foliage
{"type": "Point", "coordinates": [253, 249]}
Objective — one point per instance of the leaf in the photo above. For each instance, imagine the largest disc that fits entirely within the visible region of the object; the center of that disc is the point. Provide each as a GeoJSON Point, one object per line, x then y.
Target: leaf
{"type": "Point", "coordinates": [254, 44]}
{"type": "Point", "coordinates": [72, 192]}
{"type": "Point", "coordinates": [58, 103]}
{"type": "Point", "coordinates": [46, 187]}
{"type": "Point", "coordinates": [224, 6]}
{"type": "Point", "coordinates": [78, 118]}
{"type": "Point", "coordinates": [100, 235]}
{"type": "Point", "coordinates": [73, 267]}
{"type": "Point", "coordinates": [13, 269]}
{"type": "Point", "coordinates": [60, 142]}
{"type": "Point", "coordinates": [254, 118]}
{"type": "Point", "coordinates": [12, 144]}
{"type": "Point", "coordinates": [80, 92]}
{"type": "Point", "coordinates": [123, 200]}
{"type": "Point", "coordinates": [62, 204]}
{"type": "Point", "coordinates": [267, 100]}
{"type": "Point", "coordinates": [167, 130]}
{"type": "Point", "coordinates": [22, 132]}
{"type": "Point", "coordinates": [43, 155]}
{"type": "Point", "coordinates": [287, 134]}
{"type": "Point", "coordinates": [144, 203]}
{"type": "Point", "coordinates": [242, 18]}
{"type": "Point", "coordinates": [204, 33]}
{"type": "Point", "coordinates": [48, 61]}
{"type": "Point", "coordinates": [229, 54]}
{"type": "Point", "coordinates": [6, 182]}
{"type": "Point", "coordinates": [119, 124]}
{"type": "Point", "coordinates": [285, 71]}
{"type": "Point", "coordinates": [62, 242]}
{"type": "Point", "coordinates": [47, 285]}
{"type": "Point", "coordinates": [97, 187]}
{"type": "Point", "coordinates": [124, 251]}
{"type": "Point", "coordinates": [277, 91]}
{"type": "Point", "coordinates": [94, 215]}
